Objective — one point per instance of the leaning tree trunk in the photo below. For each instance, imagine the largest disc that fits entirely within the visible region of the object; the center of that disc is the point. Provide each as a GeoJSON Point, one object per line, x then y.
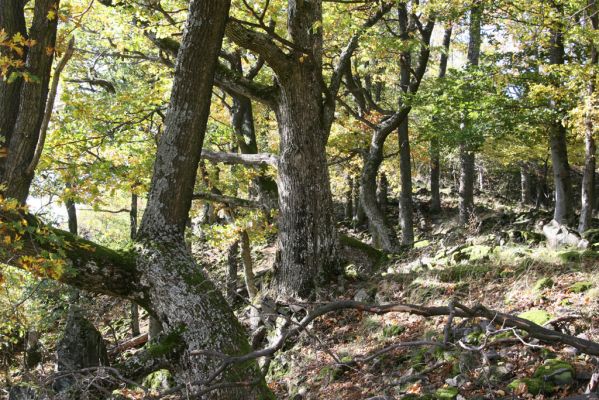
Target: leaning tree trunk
{"type": "Point", "coordinates": [188, 306]}
{"type": "Point", "coordinates": [17, 176]}
{"type": "Point", "coordinates": [307, 249]}
{"type": "Point", "coordinates": [588, 177]}
{"type": "Point", "coordinates": [377, 220]}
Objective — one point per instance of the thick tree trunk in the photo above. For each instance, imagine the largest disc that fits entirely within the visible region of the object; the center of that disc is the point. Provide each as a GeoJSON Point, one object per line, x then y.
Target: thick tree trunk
{"type": "Point", "coordinates": [233, 267]}
{"type": "Point", "coordinates": [406, 207]}
{"type": "Point", "coordinates": [466, 190]}
{"type": "Point", "coordinates": [563, 212]}
{"type": "Point", "coordinates": [382, 193]}
{"type": "Point", "coordinates": [12, 20]}
{"type": "Point", "coordinates": [32, 101]}
{"type": "Point", "coordinates": [588, 177]}
{"type": "Point", "coordinates": [308, 244]}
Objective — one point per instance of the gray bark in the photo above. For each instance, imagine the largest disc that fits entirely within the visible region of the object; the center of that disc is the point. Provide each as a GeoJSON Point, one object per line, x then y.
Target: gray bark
{"type": "Point", "coordinates": [525, 184]}
{"type": "Point", "coordinates": [348, 210]}
{"type": "Point", "coordinates": [467, 155]}
{"type": "Point", "coordinates": [588, 177]}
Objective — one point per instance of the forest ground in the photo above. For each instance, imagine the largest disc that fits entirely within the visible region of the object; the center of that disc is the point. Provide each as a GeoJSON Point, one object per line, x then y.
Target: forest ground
{"type": "Point", "coordinates": [502, 262]}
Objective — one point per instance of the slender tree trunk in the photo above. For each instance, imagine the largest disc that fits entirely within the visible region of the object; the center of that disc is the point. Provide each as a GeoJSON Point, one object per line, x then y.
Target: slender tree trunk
{"type": "Point", "coordinates": [134, 309]}
{"type": "Point", "coordinates": [72, 216]}
{"type": "Point", "coordinates": [588, 177]}
{"type": "Point", "coordinates": [248, 267]}
{"type": "Point", "coordinates": [32, 101]}
{"type": "Point", "coordinates": [349, 199]}
{"type": "Point", "coordinates": [467, 156]}
{"type": "Point", "coordinates": [525, 184]}
{"type": "Point", "coordinates": [233, 264]}
{"type": "Point", "coordinates": [466, 190]}
{"type": "Point", "coordinates": [435, 145]}
{"type": "Point", "coordinates": [406, 207]}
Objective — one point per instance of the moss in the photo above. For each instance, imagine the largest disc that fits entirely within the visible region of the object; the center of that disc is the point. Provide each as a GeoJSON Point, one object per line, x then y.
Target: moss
{"type": "Point", "coordinates": [161, 379]}
{"type": "Point", "coordinates": [447, 393]}
{"type": "Point", "coordinates": [533, 386]}
{"type": "Point", "coordinates": [580, 287]}
{"type": "Point", "coordinates": [459, 272]}
{"type": "Point", "coordinates": [393, 330]}
{"type": "Point", "coordinates": [375, 255]}
{"type": "Point", "coordinates": [167, 344]}
{"type": "Point", "coordinates": [555, 371]}
{"type": "Point", "coordinates": [543, 283]}
{"type": "Point", "coordinates": [539, 317]}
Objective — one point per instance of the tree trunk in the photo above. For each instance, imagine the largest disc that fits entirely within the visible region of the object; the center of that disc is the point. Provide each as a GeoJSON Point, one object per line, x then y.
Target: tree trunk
{"type": "Point", "coordinates": [348, 210]}
{"type": "Point", "coordinates": [434, 144]}
{"type": "Point", "coordinates": [382, 193]}
{"type": "Point", "coordinates": [233, 264]}
{"type": "Point", "coordinates": [12, 20]}
{"type": "Point", "coordinates": [72, 216]}
{"type": "Point", "coordinates": [134, 310]}
{"type": "Point", "coordinates": [563, 212]}
{"type": "Point", "coordinates": [466, 191]}
{"type": "Point", "coordinates": [248, 268]}
{"type": "Point", "coordinates": [406, 207]}
{"type": "Point", "coordinates": [381, 230]}
{"type": "Point", "coordinates": [32, 101]}
{"type": "Point", "coordinates": [588, 177]}
{"type": "Point", "coordinates": [435, 176]}
{"type": "Point", "coordinates": [525, 184]}
{"type": "Point", "coordinates": [307, 244]}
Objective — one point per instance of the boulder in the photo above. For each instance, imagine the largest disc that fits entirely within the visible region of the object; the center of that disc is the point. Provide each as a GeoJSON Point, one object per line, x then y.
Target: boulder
{"type": "Point", "coordinates": [81, 346]}
{"type": "Point", "coordinates": [559, 235]}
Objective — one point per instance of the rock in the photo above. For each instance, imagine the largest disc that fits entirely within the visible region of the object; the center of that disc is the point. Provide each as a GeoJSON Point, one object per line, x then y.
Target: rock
{"type": "Point", "coordinates": [559, 235]}
{"type": "Point", "coordinates": [533, 386]}
{"type": "Point", "coordinates": [362, 296]}
{"type": "Point", "coordinates": [81, 346]}
{"type": "Point", "coordinates": [555, 371]}
{"type": "Point", "coordinates": [159, 380]}
{"type": "Point", "coordinates": [539, 317]}
{"type": "Point", "coordinates": [22, 393]}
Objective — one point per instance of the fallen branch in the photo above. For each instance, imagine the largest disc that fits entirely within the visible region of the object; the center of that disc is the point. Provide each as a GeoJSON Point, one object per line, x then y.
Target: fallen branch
{"type": "Point", "coordinates": [129, 344]}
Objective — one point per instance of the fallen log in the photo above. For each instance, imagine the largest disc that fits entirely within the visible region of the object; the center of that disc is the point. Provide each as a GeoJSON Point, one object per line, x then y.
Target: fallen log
{"type": "Point", "coordinates": [129, 344]}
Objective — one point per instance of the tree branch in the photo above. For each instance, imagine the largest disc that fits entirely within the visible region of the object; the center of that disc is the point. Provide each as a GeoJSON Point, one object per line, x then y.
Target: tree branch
{"type": "Point", "coordinates": [231, 81]}
{"type": "Point", "coordinates": [228, 200]}
{"type": "Point", "coordinates": [260, 159]}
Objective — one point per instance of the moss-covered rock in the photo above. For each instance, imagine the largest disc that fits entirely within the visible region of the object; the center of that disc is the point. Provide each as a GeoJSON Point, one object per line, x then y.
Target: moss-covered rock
{"type": "Point", "coordinates": [543, 283]}
{"type": "Point", "coordinates": [539, 317]}
{"type": "Point", "coordinates": [556, 371]}
{"type": "Point", "coordinates": [580, 287]}
{"type": "Point", "coordinates": [159, 380]}
{"type": "Point", "coordinates": [531, 385]}
{"type": "Point", "coordinates": [393, 330]}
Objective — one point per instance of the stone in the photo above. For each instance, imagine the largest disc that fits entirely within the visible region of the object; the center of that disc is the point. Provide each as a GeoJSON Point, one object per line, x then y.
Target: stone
{"type": "Point", "coordinates": [362, 296]}
{"type": "Point", "coordinates": [533, 386]}
{"type": "Point", "coordinates": [555, 371]}
{"type": "Point", "coordinates": [559, 235]}
{"type": "Point", "coordinates": [22, 392]}
{"type": "Point", "coordinates": [159, 380]}
{"type": "Point", "coordinates": [81, 346]}
{"type": "Point", "coordinates": [447, 393]}
{"type": "Point", "coordinates": [543, 283]}
{"type": "Point", "coordinates": [539, 317]}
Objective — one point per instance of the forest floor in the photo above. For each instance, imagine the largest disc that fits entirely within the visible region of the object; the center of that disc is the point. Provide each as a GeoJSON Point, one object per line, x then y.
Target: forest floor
{"type": "Point", "coordinates": [501, 263]}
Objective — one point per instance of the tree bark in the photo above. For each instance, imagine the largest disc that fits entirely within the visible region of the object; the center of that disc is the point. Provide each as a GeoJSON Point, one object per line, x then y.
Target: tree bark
{"type": "Point", "coordinates": [588, 177]}
{"type": "Point", "coordinates": [467, 155]}
{"type": "Point", "coordinates": [26, 129]}
{"type": "Point", "coordinates": [12, 20]}
{"type": "Point", "coordinates": [248, 267]}
{"type": "Point", "coordinates": [435, 167]}
{"type": "Point", "coordinates": [382, 192]}
{"type": "Point", "coordinates": [348, 210]}
{"type": "Point", "coordinates": [233, 267]}
{"type": "Point", "coordinates": [525, 184]}
{"type": "Point", "coordinates": [563, 212]}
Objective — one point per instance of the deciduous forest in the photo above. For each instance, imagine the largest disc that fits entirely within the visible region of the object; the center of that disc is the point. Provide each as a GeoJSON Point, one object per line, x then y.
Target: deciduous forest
{"type": "Point", "coordinates": [302, 199]}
